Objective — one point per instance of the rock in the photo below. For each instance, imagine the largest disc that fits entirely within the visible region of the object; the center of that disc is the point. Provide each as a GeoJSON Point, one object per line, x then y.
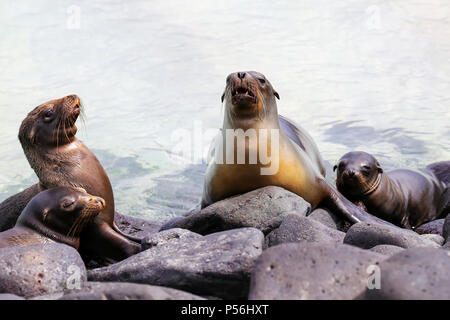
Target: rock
{"type": "Point", "coordinates": [8, 296]}
{"type": "Point", "coordinates": [263, 209]}
{"type": "Point", "coordinates": [327, 218]}
{"type": "Point", "coordinates": [136, 227]}
{"type": "Point", "coordinates": [219, 264]}
{"type": "Point", "coordinates": [368, 234]}
{"type": "Point", "coordinates": [446, 232]}
{"type": "Point", "coordinates": [433, 227]}
{"type": "Point", "coordinates": [126, 291]}
{"type": "Point", "coordinates": [295, 228]}
{"type": "Point", "coordinates": [40, 269]}
{"type": "Point", "coordinates": [387, 249]}
{"type": "Point", "coordinates": [310, 271]}
{"type": "Point", "coordinates": [161, 238]}
{"type": "Point", "coordinates": [419, 273]}
{"type": "Point", "coordinates": [434, 237]}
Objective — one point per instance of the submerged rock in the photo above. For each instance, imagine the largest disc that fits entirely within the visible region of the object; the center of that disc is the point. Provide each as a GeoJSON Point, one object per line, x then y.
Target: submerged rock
{"type": "Point", "coordinates": [40, 269]}
{"type": "Point", "coordinates": [219, 264]}
{"type": "Point", "coordinates": [295, 228]}
{"type": "Point", "coordinates": [309, 271]}
{"type": "Point", "coordinates": [419, 273]}
{"type": "Point", "coordinates": [263, 209]}
{"type": "Point", "coordinates": [368, 234]}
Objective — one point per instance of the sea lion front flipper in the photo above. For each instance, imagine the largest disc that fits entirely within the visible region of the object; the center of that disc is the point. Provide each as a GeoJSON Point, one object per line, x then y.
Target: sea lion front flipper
{"type": "Point", "coordinates": [443, 208]}
{"type": "Point", "coordinates": [101, 240]}
{"type": "Point", "coordinates": [12, 207]}
{"type": "Point", "coordinates": [337, 203]}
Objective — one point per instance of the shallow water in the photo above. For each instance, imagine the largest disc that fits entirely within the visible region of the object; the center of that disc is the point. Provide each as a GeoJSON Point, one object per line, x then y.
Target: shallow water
{"type": "Point", "coordinates": [358, 75]}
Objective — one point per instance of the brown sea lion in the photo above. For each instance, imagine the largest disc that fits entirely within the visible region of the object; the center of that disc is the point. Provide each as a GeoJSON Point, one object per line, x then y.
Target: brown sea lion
{"type": "Point", "coordinates": [407, 198]}
{"type": "Point", "coordinates": [54, 215]}
{"type": "Point", "coordinates": [276, 151]}
{"type": "Point", "coordinates": [59, 159]}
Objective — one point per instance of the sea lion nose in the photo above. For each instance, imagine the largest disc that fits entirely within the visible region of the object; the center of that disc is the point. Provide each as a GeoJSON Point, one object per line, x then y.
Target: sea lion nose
{"type": "Point", "coordinates": [351, 173]}
{"type": "Point", "coordinates": [102, 202]}
{"type": "Point", "coordinates": [241, 75]}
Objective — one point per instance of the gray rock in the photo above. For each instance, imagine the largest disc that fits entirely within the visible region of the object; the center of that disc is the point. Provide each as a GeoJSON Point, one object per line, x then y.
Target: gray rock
{"type": "Point", "coordinates": [134, 226]}
{"type": "Point", "coordinates": [446, 232]}
{"type": "Point", "coordinates": [433, 227]}
{"type": "Point", "coordinates": [219, 264]}
{"type": "Point", "coordinates": [434, 237]}
{"type": "Point", "coordinates": [311, 271]}
{"type": "Point", "coordinates": [263, 209]}
{"type": "Point", "coordinates": [161, 238]}
{"type": "Point", "coordinates": [368, 234]}
{"type": "Point", "coordinates": [40, 269]}
{"type": "Point", "coordinates": [126, 291]}
{"type": "Point", "coordinates": [327, 218]}
{"type": "Point", "coordinates": [8, 296]}
{"type": "Point", "coordinates": [419, 273]}
{"type": "Point", "coordinates": [387, 249]}
{"type": "Point", "coordinates": [295, 228]}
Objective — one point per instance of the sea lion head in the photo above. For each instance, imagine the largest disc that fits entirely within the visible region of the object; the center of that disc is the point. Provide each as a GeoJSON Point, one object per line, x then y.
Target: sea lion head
{"type": "Point", "coordinates": [61, 213]}
{"type": "Point", "coordinates": [358, 174]}
{"type": "Point", "coordinates": [51, 123]}
{"type": "Point", "coordinates": [249, 94]}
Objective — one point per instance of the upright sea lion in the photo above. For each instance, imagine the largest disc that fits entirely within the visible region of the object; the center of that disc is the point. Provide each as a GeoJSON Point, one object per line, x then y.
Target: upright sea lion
{"type": "Point", "coordinates": [294, 160]}
{"type": "Point", "coordinates": [54, 215]}
{"type": "Point", "coordinates": [59, 159]}
{"type": "Point", "coordinates": [407, 198]}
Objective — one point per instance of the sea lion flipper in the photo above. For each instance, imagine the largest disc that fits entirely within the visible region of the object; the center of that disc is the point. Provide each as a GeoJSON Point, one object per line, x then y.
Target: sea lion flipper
{"type": "Point", "coordinates": [336, 202]}
{"type": "Point", "coordinates": [443, 208]}
{"type": "Point", "coordinates": [12, 207]}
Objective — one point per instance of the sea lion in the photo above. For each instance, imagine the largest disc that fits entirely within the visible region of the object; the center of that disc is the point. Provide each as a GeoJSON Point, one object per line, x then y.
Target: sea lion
{"type": "Point", "coordinates": [54, 215]}
{"type": "Point", "coordinates": [59, 159]}
{"type": "Point", "coordinates": [407, 198]}
{"type": "Point", "coordinates": [295, 162]}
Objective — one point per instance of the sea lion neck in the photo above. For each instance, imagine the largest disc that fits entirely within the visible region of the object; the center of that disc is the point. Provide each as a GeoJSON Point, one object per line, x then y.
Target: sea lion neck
{"type": "Point", "coordinates": [266, 118]}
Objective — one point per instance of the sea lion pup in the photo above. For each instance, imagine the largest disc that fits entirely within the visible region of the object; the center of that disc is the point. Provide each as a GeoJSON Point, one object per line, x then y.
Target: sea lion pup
{"type": "Point", "coordinates": [54, 215]}
{"type": "Point", "coordinates": [276, 151]}
{"type": "Point", "coordinates": [59, 159]}
{"type": "Point", "coordinates": [407, 198]}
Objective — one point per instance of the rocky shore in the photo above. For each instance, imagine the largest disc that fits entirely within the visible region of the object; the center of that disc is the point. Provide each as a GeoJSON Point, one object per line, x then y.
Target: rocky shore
{"type": "Point", "coordinates": [266, 244]}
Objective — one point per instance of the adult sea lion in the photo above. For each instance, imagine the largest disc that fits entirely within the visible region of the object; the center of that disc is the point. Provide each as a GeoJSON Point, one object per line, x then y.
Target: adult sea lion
{"type": "Point", "coordinates": [59, 159]}
{"type": "Point", "coordinates": [54, 215]}
{"type": "Point", "coordinates": [407, 198]}
{"type": "Point", "coordinates": [286, 156]}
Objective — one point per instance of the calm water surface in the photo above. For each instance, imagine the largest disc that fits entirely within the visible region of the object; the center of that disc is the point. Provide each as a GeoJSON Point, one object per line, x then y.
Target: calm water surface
{"type": "Point", "coordinates": [358, 75]}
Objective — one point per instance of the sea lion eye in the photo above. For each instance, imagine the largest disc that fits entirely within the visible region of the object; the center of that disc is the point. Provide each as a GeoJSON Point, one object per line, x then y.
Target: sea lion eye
{"type": "Point", "coordinates": [366, 167]}
{"type": "Point", "coordinates": [48, 113]}
{"type": "Point", "coordinates": [67, 203]}
{"type": "Point", "coordinates": [262, 80]}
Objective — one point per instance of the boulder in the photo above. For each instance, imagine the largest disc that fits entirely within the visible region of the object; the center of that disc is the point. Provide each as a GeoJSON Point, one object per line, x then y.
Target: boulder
{"type": "Point", "coordinates": [414, 274]}
{"type": "Point", "coordinates": [40, 269]}
{"type": "Point", "coordinates": [311, 271]}
{"type": "Point", "coordinates": [433, 227]}
{"type": "Point", "coordinates": [218, 264]}
{"type": "Point", "coordinates": [126, 291]}
{"type": "Point", "coordinates": [386, 249]}
{"type": "Point", "coordinates": [295, 228]}
{"type": "Point", "coordinates": [8, 296]}
{"type": "Point", "coordinates": [327, 218]}
{"type": "Point", "coordinates": [368, 234]}
{"type": "Point", "coordinates": [263, 209]}
{"type": "Point", "coordinates": [136, 227]}
{"type": "Point", "coordinates": [434, 237]}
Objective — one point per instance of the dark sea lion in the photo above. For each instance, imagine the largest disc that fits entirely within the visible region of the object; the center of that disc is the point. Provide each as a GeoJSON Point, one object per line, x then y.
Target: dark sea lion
{"type": "Point", "coordinates": [59, 159]}
{"type": "Point", "coordinates": [407, 198]}
{"type": "Point", "coordinates": [250, 107]}
{"type": "Point", "coordinates": [54, 215]}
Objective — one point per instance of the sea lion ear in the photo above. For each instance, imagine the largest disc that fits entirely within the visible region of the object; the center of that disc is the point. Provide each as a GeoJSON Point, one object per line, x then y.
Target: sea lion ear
{"type": "Point", "coordinates": [223, 96]}
{"type": "Point", "coordinates": [335, 167]}
{"type": "Point", "coordinates": [380, 170]}
{"type": "Point", "coordinates": [45, 214]}
{"type": "Point", "coordinates": [276, 94]}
